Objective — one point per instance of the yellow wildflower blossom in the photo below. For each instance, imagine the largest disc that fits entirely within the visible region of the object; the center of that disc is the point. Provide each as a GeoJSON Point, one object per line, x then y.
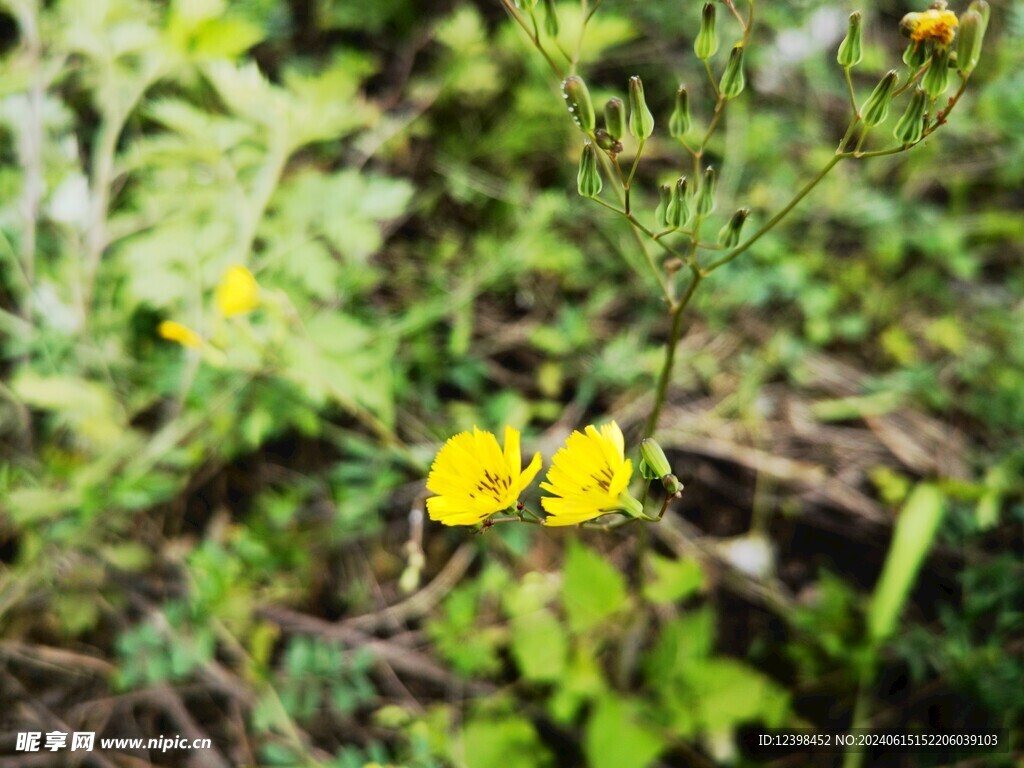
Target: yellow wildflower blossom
{"type": "Point", "coordinates": [238, 292]}
{"type": "Point", "coordinates": [935, 26]}
{"type": "Point", "coordinates": [173, 331]}
{"type": "Point", "coordinates": [588, 478]}
{"type": "Point", "coordinates": [473, 478]}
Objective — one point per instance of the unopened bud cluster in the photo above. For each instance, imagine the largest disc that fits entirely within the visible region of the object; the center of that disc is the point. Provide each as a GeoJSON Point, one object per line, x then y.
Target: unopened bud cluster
{"type": "Point", "coordinates": [941, 46]}
{"type": "Point", "coordinates": [655, 466]}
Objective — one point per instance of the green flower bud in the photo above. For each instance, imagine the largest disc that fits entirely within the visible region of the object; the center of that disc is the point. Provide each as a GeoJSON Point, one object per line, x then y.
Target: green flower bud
{"type": "Point", "coordinates": [706, 193]}
{"type": "Point", "coordinates": [671, 485]}
{"type": "Point", "coordinates": [615, 118]}
{"type": "Point", "coordinates": [732, 80]}
{"type": "Point", "coordinates": [969, 39]}
{"type": "Point", "coordinates": [677, 212]}
{"type": "Point", "coordinates": [588, 180]}
{"type": "Point", "coordinates": [981, 7]}
{"type": "Point", "coordinates": [916, 55]}
{"type": "Point", "coordinates": [664, 198]}
{"type": "Point", "coordinates": [655, 457]}
{"type": "Point", "coordinates": [577, 99]}
{"type": "Point", "coordinates": [641, 121]}
{"type": "Point", "coordinates": [603, 140]}
{"type": "Point", "coordinates": [876, 108]}
{"type": "Point", "coordinates": [850, 49]}
{"type": "Point", "coordinates": [729, 235]}
{"type": "Point", "coordinates": [707, 38]}
{"type": "Point", "coordinates": [910, 128]}
{"type": "Point", "coordinates": [550, 18]}
{"type": "Point", "coordinates": [679, 123]}
{"type": "Point", "coordinates": [936, 79]}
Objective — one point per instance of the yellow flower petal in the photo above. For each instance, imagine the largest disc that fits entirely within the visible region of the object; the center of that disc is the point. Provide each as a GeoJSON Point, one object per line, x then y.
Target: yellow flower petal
{"type": "Point", "coordinates": [474, 478]}
{"type": "Point", "coordinates": [587, 476]}
{"type": "Point", "coordinates": [936, 26]}
{"type": "Point", "coordinates": [238, 292]}
{"type": "Point", "coordinates": [173, 331]}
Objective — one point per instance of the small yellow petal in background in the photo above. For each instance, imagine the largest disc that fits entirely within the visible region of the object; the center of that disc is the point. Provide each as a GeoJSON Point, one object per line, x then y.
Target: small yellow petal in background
{"type": "Point", "coordinates": [238, 292]}
{"type": "Point", "coordinates": [173, 331]}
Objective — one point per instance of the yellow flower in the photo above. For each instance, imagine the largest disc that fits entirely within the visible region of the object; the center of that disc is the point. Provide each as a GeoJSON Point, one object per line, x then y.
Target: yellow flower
{"type": "Point", "coordinates": [182, 334]}
{"type": "Point", "coordinates": [238, 292]}
{"type": "Point", "coordinates": [935, 26]}
{"type": "Point", "coordinates": [589, 477]}
{"type": "Point", "coordinates": [473, 478]}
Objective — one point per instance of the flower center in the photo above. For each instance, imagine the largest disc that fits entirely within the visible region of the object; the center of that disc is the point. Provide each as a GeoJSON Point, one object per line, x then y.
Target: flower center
{"type": "Point", "coordinates": [494, 485]}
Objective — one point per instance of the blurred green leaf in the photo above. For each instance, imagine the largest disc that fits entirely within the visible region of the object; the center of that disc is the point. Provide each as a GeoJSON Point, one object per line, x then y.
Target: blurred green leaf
{"type": "Point", "coordinates": [539, 645]}
{"type": "Point", "coordinates": [616, 737]}
{"type": "Point", "coordinates": [506, 742]}
{"type": "Point", "coordinates": [673, 579]}
{"type": "Point", "coordinates": [916, 527]}
{"type": "Point", "coordinates": [592, 590]}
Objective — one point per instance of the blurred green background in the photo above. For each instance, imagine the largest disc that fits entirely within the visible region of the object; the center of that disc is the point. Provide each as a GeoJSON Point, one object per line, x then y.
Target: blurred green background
{"type": "Point", "coordinates": [229, 543]}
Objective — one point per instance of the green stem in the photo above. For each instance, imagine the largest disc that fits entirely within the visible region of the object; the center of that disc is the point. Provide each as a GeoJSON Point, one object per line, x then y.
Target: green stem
{"type": "Point", "coordinates": [861, 708]}
{"type": "Point", "coordinates": [711, 78]}
{"type": "Point", "coordinates": [626, 185]}
{"type": "Point", "coordinates": [675, 332]}
{"type": "Point", "coordinates": [744, 246]}
{"type": "Point", "coordinates": [510, 6]}
{"type": "Point", "coordinates": [853, 96]}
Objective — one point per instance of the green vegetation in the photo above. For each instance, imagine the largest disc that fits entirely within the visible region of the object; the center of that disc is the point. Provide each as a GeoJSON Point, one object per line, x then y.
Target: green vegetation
{"type": "Point", "coordinates": [217, 528]}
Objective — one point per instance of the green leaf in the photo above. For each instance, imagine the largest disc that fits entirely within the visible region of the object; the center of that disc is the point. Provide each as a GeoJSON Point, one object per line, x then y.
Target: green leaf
{"type": "Point", "coordinates": [593, 590]}
{"type": "Point", "coordinates": [673, 579]}
{"type": "Point", "coordinates": [615, 739]}
{"type": "Point", "coordinates": [341, 359]}
{"type": "Point", "coordinates": [684, 642]}
{"type": "Point", "coordinates": [539, 646]}
{"type": "Point", "coordinates": [721, 694]}
{"type": "Point", "coordinates": [508, 742]}
{"type": "Point", "coordinates": [916, 528]}
{"type": "Point", "coordinates": [88, 407]}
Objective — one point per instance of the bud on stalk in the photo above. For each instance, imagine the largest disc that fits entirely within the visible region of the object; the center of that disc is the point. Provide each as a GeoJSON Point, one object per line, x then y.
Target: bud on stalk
{"type": "Point", "coordinates": [664, 198]}
{"type": "Point", "coordinates": [733, 80]}
{"type": "Point", "coordinates": [577, 98]}
{"type": "Point", "coordinates": [706, 194]}
{"type": "Point", "coordinates": [968, 48]}
{"type": "Point", "coordinates": [550, 18]}
{"type": "Point", "coordinates": [707, 38]}
{"type": "Point", "coordinates": [679, 123]}
{"type": "Point", "coordinates": [588, 180]}
{"type": "Point", "coordinates": [655, 457]}
{"type": "Point", "coordinates": [936, 79]}
{"type": "Point", "coordinates": [910, 128]}
{"type": "Point", "coordinates": [876, 108]}
{"type": "Point", "coordinates": [915, 55]}
{"type": "Point", "coordinates": [615, 118]}
{"type": "Point", "coordinates": [981, 7]}
{"type": "Point", "coordinates": [729, 235]}
{"type": "Point", "coordinates": [850, 49]}
{"type": "Point", "coordinates": [677, 212]}
{"type": "Point", "coordinates": [641, 121]}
